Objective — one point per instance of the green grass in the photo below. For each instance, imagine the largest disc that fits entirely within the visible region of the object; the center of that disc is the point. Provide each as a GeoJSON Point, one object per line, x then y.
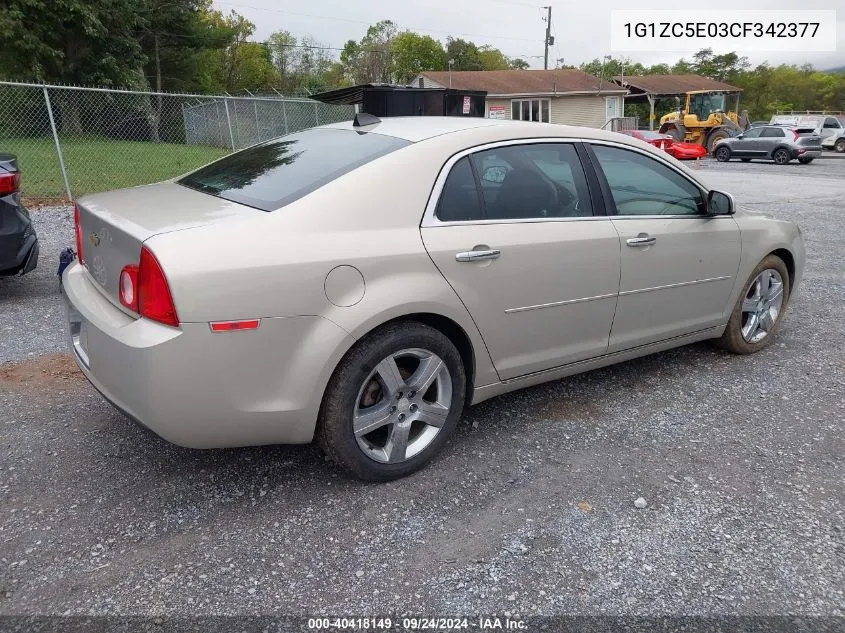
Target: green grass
{"type": "Point", "coordinates": [100, 164]}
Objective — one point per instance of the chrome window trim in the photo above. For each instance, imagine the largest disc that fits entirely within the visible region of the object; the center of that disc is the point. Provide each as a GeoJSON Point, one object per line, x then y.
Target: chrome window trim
{"type": "Point", "coordinates": [430, 219]}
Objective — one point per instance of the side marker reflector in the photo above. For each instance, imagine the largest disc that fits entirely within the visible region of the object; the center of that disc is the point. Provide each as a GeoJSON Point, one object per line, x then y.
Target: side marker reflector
{"type": "Point", "coordinates": [234, 326]}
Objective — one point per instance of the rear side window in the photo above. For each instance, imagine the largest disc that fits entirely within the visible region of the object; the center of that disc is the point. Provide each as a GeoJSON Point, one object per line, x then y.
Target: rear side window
{"type": "Point", "coordinates": [772, 132]}
{"type": "Point", "coordinates": [272, 174]}
{"type": "Point", "coordinates": [459, 201]}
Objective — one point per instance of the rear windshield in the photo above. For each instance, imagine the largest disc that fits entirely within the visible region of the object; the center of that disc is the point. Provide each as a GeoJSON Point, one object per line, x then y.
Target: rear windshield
{"type": "Point", "coordinates": [272, 174]}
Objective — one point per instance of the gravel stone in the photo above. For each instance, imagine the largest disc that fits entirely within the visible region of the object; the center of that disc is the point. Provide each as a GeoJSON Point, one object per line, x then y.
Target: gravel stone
{"type": "Point", "coordinates": [98, 517]}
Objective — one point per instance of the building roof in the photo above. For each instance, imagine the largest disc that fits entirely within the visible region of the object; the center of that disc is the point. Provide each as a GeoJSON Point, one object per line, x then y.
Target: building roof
{"type": "Point", "coordinates": [671, 84]}
{"type": "Point", "coordinates": [355, 94]}
{"type": "Point", "coordinates": [524, 82]}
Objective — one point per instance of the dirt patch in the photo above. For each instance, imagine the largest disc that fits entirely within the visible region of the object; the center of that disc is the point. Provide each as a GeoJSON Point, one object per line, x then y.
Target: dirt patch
{"type": "Point", "coordinates": [44, 371]}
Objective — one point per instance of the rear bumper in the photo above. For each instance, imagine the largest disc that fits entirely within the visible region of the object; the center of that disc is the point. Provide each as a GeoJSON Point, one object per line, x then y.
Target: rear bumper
{"type": "Point", "coordinates": [814, 152]}
{"type": "Point", "coordinates": [19, 248]}
{"type": "Point", "coordinates": [199, 389]}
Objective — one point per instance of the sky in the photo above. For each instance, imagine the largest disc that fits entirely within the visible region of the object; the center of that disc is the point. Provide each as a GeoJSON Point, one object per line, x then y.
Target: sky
{"type": "Point", "coordinates": [581, 29]}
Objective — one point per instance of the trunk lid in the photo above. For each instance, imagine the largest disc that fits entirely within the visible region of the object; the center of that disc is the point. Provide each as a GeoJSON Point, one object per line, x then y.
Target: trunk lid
{"type": "Point", "coordinates": [808, 137]}
{"type": "Point", "coordinates": [115, 224]}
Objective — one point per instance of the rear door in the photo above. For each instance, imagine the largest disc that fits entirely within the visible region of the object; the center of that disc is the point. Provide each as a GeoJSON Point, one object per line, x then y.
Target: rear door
{"type": "Point", "coordinates": [678, 265]}
{"type": "Point", "coordinates": [511, 227]}
{"type": "Point", "coordinates": [771, 139]}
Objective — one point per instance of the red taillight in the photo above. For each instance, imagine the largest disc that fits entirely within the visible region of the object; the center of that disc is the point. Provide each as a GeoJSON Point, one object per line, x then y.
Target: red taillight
{"type": "Point", "coordinates": [154, 300]}
{"type": "Point", "coordinates": [797, 136]}
{"type": "Point", "coordinates": [78, 228]}
{"type": "Point", "coordinates": [128, 287]}
{"type": "Point", "coordinates": [9, 183]}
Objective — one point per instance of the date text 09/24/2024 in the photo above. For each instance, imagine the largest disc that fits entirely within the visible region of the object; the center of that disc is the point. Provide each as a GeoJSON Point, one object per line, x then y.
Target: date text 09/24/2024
{"type": "Point", "coordinates": [418, 624]}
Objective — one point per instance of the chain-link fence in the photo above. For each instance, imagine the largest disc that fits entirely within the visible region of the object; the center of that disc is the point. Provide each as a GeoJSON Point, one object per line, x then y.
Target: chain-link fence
{"type": "Point", "coordinates": [71, 141]}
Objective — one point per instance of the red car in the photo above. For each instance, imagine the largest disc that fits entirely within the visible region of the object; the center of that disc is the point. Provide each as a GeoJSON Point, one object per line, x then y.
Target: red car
{"type": "Point", "coordinates": [679, 150]}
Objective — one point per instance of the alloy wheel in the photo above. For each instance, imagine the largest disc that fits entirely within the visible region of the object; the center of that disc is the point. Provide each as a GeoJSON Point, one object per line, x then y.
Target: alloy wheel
{"type": "Point", "coordinates": [402, 405]}
{"type": "Point", "coordinates": [781, 157]}
{"type": "Point", "coordinates": [762, 305]}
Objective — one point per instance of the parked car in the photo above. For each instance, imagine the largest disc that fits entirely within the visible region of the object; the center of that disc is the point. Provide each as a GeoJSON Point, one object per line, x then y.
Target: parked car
{"type": "Point", "coordinates": [771, 142]}
{"type": "Point", "coordinates": [831, 129]}
{"type": "Point", "coordinates": [363, 282]}
{"type": "Point", "coordinates": [678, 149]}
{"type": "Point", "coordinates": [18, 241]}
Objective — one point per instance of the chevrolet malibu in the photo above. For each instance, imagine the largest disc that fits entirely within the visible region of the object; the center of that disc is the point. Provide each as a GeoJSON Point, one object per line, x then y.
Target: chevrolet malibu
{"type": "Point", "coordinates": [362, 283]}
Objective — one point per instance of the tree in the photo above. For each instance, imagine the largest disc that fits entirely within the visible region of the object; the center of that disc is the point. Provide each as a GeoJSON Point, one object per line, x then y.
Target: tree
{"type": "Point", "coordinates": [492, 59]}
{"type": "Point", "coordinates": [464, 54]}
{"type": "Point", "coordinates": [412, 53]}
{"type": "Point", "coordinates": [719, 67]}
{"type": "Point", "coordinates": [369, 61]}
{"type": "Point", "coordinates": [240, 66]}
{"type": "Point", "coordinates": [301, 63]}
{"type": "Point", "coordinates": [517, 63]}
{"type": "Point", "coordinates": [73, 41]}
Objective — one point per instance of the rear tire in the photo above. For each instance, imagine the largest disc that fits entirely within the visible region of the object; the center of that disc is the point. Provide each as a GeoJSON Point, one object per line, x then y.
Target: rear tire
{"type": "Point", "coordinates": [805, 161]}
{"type": "Point", "coordinates": [745, 160]}
{"type": "Point", "coordinates": [781, 157]}
{"type": "Point", "coordinates": [375, 424]}
{"type": "Point", "coordinates": [740, 334]}
{"type": "Point", "coordinates": [723, 154]}
{"type": "Point", "coordinates": [839, 146]}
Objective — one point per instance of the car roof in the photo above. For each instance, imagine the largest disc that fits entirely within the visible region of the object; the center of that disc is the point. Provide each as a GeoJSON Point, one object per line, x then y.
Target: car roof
{"type": "Point", "coordinates": [420, 128]}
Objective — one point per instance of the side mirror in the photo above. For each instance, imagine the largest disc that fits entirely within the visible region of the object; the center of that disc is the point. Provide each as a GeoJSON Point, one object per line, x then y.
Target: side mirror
{"type": "Point", "coordinates": [720, 203]}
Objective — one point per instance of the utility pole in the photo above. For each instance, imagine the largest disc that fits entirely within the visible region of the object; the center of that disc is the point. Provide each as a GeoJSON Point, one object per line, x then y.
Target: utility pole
{"type": "Point", "coordinates": [549, 39]}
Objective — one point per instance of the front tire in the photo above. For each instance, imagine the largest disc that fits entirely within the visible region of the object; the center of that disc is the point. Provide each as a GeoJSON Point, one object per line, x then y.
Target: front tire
{"type": "Point", "coordinates": [839, 146]}
{"type": "Point", "coordinates": [760, 308]}
{"type": "Point", "coordinates": [723, 154]}
{"type": "Point", "coordinates": [715, 137]}
{"type": "Point", "coordinates": [781, 157]}
{"type": "Point", "coordinates": [393, 401]}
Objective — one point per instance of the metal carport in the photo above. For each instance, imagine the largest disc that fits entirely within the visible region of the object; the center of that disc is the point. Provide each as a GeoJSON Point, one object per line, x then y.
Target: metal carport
{"type": "Point", "coordinates": [652, 87]}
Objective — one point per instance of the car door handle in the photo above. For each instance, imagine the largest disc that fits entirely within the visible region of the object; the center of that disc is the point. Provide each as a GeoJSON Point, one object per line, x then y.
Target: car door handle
{"type": "Point", "coordinates": [474, 256]}
{"type": "Point", "coordinates": [643, 239]}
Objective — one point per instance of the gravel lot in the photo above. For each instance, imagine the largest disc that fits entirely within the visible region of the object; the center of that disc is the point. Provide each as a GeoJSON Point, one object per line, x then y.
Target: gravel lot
{"type": "Point", "coordinates": [529, 510]}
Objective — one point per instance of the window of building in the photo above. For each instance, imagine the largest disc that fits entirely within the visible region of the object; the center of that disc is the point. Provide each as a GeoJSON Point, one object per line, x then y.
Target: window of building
{"type": "Point", "coordinates": [536, 110]}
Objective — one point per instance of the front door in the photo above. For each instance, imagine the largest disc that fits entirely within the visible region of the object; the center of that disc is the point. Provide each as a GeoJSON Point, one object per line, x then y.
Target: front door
{"type": "Point", "coordinates": [678, 265]}
{"type": "Point", "coordinates": [537, 271]}
{"type": "Point", "coordinates": [613, 107]}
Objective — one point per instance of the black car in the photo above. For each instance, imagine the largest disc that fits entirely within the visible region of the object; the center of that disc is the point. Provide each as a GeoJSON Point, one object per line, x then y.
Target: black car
{"type": "Point", "coordinates": [18, 242]}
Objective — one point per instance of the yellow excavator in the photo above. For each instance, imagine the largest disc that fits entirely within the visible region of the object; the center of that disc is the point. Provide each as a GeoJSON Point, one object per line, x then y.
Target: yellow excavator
{"type": "Point", "coordinates": [706, 118]}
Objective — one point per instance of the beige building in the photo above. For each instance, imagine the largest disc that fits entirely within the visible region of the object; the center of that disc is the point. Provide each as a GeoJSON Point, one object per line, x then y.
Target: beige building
{"type": "Point", "coordinates": [570, 97]}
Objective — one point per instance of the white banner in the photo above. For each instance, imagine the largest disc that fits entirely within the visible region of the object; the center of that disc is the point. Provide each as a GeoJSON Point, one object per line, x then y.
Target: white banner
{"type": "Point", "coordinates": [741, 31]}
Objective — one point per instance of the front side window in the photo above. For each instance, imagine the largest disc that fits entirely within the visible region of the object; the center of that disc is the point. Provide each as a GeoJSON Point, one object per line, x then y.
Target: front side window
{"type": "Point", "coordinates": [831, 123]}
{"type": "Point", "coordinates": [536, 110]}
{"type": "Point", "coordinates": [270, 175]}
{"type": "Point", "coordinates": [754, 132]}
{"type": "Point", "coordinates": [641, 185]}
{"type": "Point", "coordinates": [542, 180]}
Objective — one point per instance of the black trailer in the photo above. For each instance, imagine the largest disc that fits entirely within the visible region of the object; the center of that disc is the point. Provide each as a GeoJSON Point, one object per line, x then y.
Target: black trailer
{"type": "Point", "coordinates": [386, 100]}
